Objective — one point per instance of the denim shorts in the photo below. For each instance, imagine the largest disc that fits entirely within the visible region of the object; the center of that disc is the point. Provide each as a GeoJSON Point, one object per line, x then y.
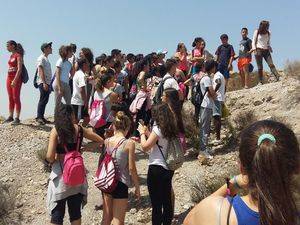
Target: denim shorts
{"type": "Point", "coordinates": [223, 69]}
{"type": "Point", "coordinates": [217, 109]}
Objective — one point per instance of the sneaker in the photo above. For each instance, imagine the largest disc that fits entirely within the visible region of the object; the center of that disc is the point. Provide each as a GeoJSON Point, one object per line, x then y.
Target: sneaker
{"type": "Point", "coordinates": [8, 120]}
{"type": "Point", "coordinates": [216, 142]}
{"type": "Point", "coordinates": [40, 121]}
{"type": "Point", "coordinates": [46, 121]}
{"type": "Point", "coordinates": [16, 121]}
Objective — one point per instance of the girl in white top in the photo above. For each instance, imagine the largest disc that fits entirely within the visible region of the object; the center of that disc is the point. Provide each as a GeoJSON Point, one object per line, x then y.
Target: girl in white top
{"type": "Point", "coordinates": [159, 178]}
{"type": "Point", "coordinates": [261, 46]}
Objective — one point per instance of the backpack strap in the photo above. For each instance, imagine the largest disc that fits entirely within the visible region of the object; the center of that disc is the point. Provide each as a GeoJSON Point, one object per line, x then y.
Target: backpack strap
{"type": "Point", "coordinates": [118, 145]}
{"type": "Point", "coordinates": [160, 149]}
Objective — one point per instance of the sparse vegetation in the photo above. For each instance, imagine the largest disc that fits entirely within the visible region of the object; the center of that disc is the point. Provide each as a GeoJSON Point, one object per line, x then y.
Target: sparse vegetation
{"type": "Point", "coordinates": [41, 155]}
{"type": "Point", "coordinates": [191, 129]}
{"type": "Point", "coordinates": [292, 69]}
{"type": "Point", "coordinates": [7, 203]}
{"type": "Point", "coordinates": [244, 119]}
{"type": "Point", "coordinates": [201, 187]}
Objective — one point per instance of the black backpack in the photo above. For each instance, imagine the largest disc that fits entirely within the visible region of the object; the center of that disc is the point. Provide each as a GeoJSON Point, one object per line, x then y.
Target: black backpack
{"type": "Point", "coordinates": [197, 96]}
{"type": "Point", "coordinates": [159, 91]}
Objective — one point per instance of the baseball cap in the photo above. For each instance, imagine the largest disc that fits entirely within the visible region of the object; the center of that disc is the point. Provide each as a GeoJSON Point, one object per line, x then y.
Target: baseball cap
{"type": "Point", "coordinates": [45, 45]}
{"type": "Point", "coordinates": [161, 52]}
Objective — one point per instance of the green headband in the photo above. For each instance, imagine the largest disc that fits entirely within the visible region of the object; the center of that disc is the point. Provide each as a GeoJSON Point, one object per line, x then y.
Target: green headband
{"type": "Point", "coordinates": [264, 137]}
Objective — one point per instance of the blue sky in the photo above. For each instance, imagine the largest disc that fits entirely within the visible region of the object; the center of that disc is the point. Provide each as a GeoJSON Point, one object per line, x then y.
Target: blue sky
{"type": "Point", "coordinates": [136, 26]}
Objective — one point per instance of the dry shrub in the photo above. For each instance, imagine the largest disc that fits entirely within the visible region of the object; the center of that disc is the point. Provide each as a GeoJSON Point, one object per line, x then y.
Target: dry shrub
{"type": "Point", "coordinates": [191, 128]}
{"type": "Point", "coordinates": [244, 119]}
{"type": "Point", "coordinates": [201, 186]}
{"type": "Point", "coordinates": [292, 69]}
{"type": "Point", "coordinates": [41, 155]}
{"type": "Point", "coordinates": [7, 204]}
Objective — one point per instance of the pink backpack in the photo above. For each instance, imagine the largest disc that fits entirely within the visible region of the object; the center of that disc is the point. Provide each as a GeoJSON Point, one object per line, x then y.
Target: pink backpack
{"type": "Point", "coordinates": [74, 171]}
{"type": "Point", "coordinates": [98, 113]}
{"type": "Point", "coordinates": [107, 175]}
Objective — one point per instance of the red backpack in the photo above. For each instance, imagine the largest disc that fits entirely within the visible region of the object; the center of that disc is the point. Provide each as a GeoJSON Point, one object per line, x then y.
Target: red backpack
{"type": "Point", "coordinates": [107, 175]}
{"type": "Point", "coordinates": [73, 170]}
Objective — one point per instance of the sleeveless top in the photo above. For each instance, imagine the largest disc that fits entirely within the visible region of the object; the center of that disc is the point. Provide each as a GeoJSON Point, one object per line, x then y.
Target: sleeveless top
{"type": "Point", "coordinates": [122, 159]}
{"type": "Point", "coordinates": [244, 215]}
{"type": "Point", "coordinates": [183, 63]}
{"type": "Point", "coordinates": [13, 64]}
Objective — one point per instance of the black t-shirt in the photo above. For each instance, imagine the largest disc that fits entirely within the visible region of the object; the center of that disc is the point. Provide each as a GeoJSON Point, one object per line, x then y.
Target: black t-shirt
{"type": "Point", "coordinates": [245, 47]}
{"type": "Point", "coordinates": [225, 52]}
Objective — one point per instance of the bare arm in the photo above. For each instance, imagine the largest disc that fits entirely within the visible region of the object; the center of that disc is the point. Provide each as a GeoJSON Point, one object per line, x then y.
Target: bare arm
{"type": "Point", "coordinates": [147, 144]}
{"type": "Point", "coordinates": [57, 76]}
{"type": "Point", "coordinates": [50, 156]}
{"type": "Point", "coordinates": [211, 92]}
{"type": "Point", "coordinates": [19, 68]}
{"type": "Point", "coordinates": [132, 166]}
{"type": "Point", "coordinates": [83, 95]}
{"type": "Point", "coordinates": [42, 74]}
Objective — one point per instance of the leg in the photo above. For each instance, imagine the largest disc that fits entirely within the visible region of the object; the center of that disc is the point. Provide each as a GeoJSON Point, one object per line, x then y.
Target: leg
{"type": "Point", "coordinates": [67, 93]}
{"type": "Point", "coordinates": [10, 97]}
{"type": "Point", "coordinates": [217, 112]}
{"type": "Point", "coordinates": [119, 211]}
{"type": "Point", "coordinates": [44, 98]}
{"type": "Point", "coordinates": [259, 62]}
{"type": "Point", "coordinates": [206, 115]}
{"type": "Point", "coordinates": [74, 207]}
{"type": "Point", "coordinates": [107, 209]}
{"type": "Point", "coordinates": [242, 76]}
{"type": "Point", "coordinates": [246, 76]}
{"type": "Point", "coordinates": [58, 213]}
{"type": "Point", "coordinates": [154, 187]}
{"type": "Point", "coordinates": [167, 197]}
{"type": "Point", "coordinates": [17, 99]}
{"type": "Point", "coordinates": [267, 56]}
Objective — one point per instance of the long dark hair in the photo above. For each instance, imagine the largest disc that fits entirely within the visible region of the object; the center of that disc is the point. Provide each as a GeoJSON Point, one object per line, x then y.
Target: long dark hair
{"type": "Point", "coordinates": [17, 47]}
{"type": "Point", "coordinates": [174, 102]}
{"type": "Point", "coordinates": [63, 120]}
{"type": "Point", "coordinates": [270, 166]}
{"type": "Point", "coordinates": [165, 120]}
{"type": "Point", "coordinates": [88, 54]}
{"type": "Point", "coordinates": [263, 27]}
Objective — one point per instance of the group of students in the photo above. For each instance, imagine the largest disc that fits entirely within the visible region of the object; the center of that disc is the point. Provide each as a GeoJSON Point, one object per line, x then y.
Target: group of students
{"type": "Point", "coordinates": [142, 99]}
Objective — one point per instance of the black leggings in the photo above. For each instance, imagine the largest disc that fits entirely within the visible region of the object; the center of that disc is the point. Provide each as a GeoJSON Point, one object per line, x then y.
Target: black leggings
{"type": "Point", "coordinates": [74, 207]}
{"type": "Point", "coordinates": [159, 182]}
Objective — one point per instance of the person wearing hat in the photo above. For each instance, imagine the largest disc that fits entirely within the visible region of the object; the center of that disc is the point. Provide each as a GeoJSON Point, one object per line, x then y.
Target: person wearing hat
{"type": "Point", "coordinates": [44, 76]}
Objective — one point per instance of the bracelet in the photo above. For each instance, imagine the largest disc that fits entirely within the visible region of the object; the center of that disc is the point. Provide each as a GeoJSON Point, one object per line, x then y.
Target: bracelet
{"type": "Point", "coordinates": [235, 183]}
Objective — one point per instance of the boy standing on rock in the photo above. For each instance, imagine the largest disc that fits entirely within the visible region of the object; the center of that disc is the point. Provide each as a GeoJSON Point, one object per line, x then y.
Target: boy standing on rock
{"type": "Point", "coordinates": [244, 58]}
{"type": "Point", "coordinates": [206, 111]}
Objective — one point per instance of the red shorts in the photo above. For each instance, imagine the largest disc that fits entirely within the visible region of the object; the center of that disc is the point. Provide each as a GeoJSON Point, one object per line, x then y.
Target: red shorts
{"type": "Point", "coordinates": [242, 62]}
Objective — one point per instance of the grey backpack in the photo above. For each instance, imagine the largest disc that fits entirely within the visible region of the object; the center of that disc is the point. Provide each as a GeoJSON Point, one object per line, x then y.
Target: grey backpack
{"type": "Point", "coordinates": [175, 157]}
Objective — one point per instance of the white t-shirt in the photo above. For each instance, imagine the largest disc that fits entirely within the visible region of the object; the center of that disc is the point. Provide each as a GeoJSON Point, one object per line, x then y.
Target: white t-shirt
{"type": "Point", "coordinates": [171, 82]}
{"type": "Point", "coordinates": [65, 69]}
{"type": "Point", "coordinates": [155, 157]}
{"type": "Point", "coordinates": [205, 83]}
{"type": "Point", "coordinates": [78, 83]}
{"type": "Point", "coordinates": [221, 90]}
{"type": "Point", "coordinates": [263, 40]}
{"type": "Point", "coordinates": [44, 62]}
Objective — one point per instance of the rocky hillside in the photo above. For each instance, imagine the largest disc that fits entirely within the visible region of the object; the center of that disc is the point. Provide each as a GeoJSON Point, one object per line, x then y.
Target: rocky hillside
{"type": "Point", "coordinates": [23, 173]}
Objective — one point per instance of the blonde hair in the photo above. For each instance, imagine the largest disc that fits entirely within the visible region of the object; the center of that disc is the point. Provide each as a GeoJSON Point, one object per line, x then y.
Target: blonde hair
{"type": "Point", "coordinates": [122, 121]}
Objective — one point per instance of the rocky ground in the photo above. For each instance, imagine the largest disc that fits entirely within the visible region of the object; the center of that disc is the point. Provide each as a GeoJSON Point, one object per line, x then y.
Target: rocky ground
{"type": "Point", "coordinates": [22, 171]}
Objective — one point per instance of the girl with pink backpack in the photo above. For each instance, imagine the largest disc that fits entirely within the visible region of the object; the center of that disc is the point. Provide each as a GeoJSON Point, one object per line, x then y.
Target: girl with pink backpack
{"type": "Point", "coordinates": [67, 181]}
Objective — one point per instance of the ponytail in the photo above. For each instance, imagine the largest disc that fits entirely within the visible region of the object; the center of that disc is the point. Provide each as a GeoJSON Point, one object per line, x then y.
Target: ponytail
{"type": "Point", "coordinates": [269, 154]}
{"type": "Point", "coordinates": [20, 50]}
{"type": "Point", "coordinates": [273, 185]}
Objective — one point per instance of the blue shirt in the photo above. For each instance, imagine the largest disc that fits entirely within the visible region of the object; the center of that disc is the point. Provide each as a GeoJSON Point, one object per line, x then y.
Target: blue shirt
{"type": "Point", "coordinates": [224, 53]}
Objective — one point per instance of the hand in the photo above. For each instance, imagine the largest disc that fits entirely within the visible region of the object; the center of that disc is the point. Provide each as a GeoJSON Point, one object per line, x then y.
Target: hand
{"type": "Point", "coordinates": [142, 129]}
{"type": "Point", "coordinates": [229, 66]}
{"type": "Point", "coordinates": [13, 83]}
{"type": "Point", "coordinates": [45, 86]}
{"type": "Point", "coordinates": [137, 193]}
{"type": "Point", "coordinates": [60, 92]}
{"type": "Point", "coordinates": [270, 49]}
